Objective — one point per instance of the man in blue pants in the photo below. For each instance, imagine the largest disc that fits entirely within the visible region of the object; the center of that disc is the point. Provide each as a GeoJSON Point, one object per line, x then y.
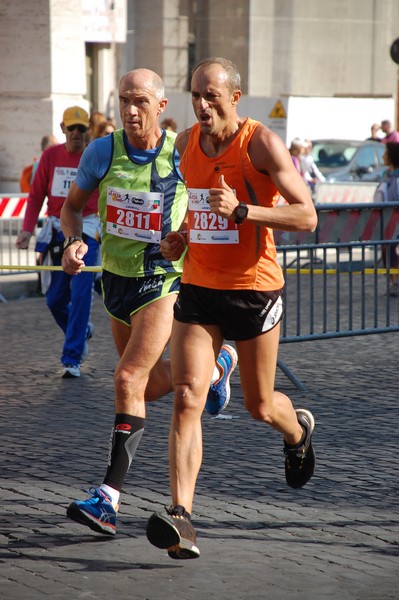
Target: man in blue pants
{"type": "Point", "coordinates": [68, 298]}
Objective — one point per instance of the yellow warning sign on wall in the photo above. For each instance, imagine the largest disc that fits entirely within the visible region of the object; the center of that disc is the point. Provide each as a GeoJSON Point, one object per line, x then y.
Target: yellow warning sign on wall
{"type": "Point", "coordinates": [278, 111]}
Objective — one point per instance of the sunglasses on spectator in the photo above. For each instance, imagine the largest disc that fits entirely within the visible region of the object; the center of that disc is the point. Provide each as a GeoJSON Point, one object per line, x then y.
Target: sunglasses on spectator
{"type": "Point", "coordinates": [80, 128]}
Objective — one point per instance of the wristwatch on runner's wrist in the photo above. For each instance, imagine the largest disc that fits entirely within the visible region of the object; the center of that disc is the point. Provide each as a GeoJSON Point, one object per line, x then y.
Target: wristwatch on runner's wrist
{"type": "Point", "coordinates": [240, 212]}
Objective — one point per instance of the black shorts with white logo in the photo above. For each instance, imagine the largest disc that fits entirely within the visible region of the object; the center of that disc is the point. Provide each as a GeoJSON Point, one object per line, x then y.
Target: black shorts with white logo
{"type": "Point", "coordinates": [124, 296]}
{"type": "Point", "coordinates": [240, 314]}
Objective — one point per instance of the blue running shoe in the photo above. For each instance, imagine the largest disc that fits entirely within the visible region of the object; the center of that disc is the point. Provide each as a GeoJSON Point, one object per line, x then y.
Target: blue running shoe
{"type": "Point", "coordinates": [97, 512]}
{"type": "Point", "coordinates": [219, 392]}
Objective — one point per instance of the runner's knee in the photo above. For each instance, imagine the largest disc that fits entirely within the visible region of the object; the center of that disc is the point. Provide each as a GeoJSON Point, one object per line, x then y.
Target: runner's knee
{"type": "Point", "coordinates": [187, 398]}
{"type": "Point", "coordinates": [127, 382]}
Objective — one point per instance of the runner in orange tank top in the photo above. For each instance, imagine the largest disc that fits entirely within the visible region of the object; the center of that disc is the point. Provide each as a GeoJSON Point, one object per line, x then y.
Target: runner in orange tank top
{"type": "Point", "coordinates": [230, 256]}
{"type": "Point", "coordinates": [231, 287]}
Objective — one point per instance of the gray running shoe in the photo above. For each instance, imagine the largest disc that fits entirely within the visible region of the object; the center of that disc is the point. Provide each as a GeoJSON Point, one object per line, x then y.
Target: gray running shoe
{"type": "Point", "coordinates": [173, 532]}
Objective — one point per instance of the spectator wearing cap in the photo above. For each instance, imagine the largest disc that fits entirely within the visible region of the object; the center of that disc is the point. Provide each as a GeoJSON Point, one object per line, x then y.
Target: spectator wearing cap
{"type": "Point", "coordinates": [68, 298]}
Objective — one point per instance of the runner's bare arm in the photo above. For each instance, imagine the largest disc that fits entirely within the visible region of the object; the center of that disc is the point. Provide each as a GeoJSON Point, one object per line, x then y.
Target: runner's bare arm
{"type": "Point", "coordinates": [269, 155]}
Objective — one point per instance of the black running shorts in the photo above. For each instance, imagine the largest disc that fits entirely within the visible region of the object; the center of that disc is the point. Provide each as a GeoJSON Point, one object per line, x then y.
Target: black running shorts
{"type": "Point", "coordinates": [123, 296]}
{"type": "Point", "coordinates": [240, 314]}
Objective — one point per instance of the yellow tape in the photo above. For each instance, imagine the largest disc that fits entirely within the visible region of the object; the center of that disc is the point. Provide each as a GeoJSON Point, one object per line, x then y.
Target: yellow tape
{"type": "Point", "coordinates": [44, 268]}
{"type": "Point", "coordinates": [335, 271]}
{"type": "Point", "coordinates": [290, 271]}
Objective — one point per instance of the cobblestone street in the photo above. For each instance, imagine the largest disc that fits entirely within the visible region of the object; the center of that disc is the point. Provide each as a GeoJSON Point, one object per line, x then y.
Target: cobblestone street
{"type": "Point", "coordinates": [335, 538]}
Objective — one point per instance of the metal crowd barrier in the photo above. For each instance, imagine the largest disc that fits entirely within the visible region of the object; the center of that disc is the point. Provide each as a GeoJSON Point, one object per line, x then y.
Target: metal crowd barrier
{"type": "Point", "coordinates": [336, 284]}
{"type": "Point", "coordinates": [12, 210]}
{"type": "Point", "coordinates": [9, 254]}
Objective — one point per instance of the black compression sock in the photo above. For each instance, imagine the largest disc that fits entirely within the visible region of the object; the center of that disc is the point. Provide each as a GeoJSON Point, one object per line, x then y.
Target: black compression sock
{"type": "Point", "coordinates": [125, 439]}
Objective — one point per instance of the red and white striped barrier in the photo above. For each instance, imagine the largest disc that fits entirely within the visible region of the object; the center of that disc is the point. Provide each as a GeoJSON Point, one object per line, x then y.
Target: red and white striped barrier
{"type": "Point", "coordinates": [345, 192]}
{"type": "Point", "coordinates": [347, 223]}
{"type": "Point", "coordinates": [13, 206]}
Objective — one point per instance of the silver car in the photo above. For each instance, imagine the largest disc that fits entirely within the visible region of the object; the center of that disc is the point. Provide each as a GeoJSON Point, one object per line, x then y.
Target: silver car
{"type": "Point", "coordinates": [349, 160]}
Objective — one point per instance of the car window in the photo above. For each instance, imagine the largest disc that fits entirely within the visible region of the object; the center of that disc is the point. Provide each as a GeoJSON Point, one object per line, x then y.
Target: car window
{"type": "Point", "coordinates": [349, 160]}
{"type": "Point", "coordinates": [332, 154]}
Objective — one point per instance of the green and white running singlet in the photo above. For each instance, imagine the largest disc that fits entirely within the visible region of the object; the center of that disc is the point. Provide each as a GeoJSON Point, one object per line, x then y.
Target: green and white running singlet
{"type": "Point", "coordinates": [138, 205]}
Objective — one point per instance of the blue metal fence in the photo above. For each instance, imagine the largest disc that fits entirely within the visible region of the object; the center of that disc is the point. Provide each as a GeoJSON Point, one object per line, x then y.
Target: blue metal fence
{"type": "Point", "coordinates": [336, 284]}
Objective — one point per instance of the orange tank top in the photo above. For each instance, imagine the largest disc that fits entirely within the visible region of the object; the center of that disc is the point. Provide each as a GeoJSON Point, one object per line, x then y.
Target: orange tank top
{"type": "Point", "coordinates": [222, 255]}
